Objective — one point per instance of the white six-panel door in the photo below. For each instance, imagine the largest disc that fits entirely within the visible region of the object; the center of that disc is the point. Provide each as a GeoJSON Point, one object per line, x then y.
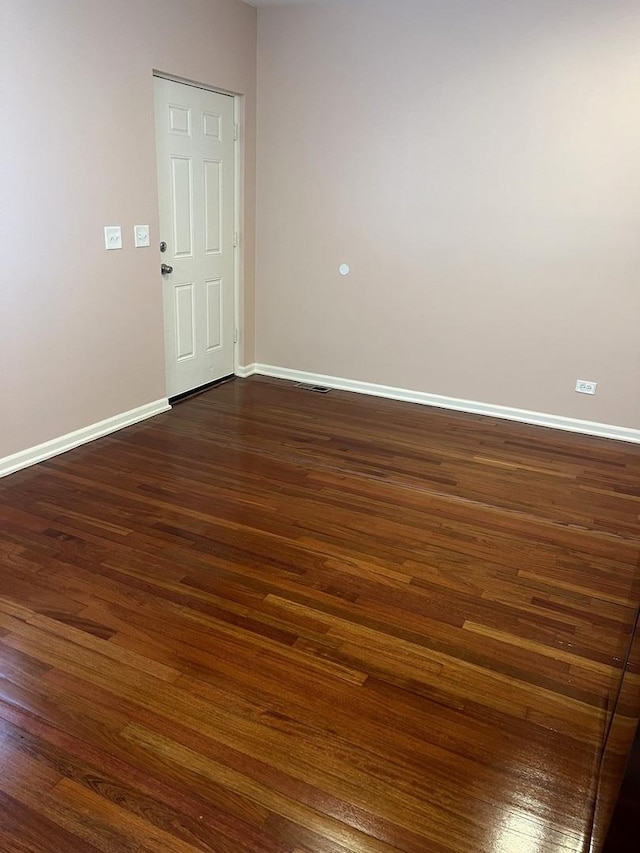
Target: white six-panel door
{"type": "Point", "coordinates": [195, 153]}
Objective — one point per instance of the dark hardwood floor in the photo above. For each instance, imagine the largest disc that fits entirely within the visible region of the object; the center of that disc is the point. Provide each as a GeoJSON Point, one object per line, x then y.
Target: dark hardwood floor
{"type": "Point", "coordinates": [273, 621]}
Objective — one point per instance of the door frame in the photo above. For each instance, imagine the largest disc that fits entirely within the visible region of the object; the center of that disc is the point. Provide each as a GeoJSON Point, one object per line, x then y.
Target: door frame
{"type": "Point", "coordinates": [238, 113]}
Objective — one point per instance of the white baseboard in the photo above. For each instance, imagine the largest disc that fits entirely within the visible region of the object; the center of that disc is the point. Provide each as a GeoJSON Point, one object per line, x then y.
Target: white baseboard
{"type": "Point", "coordinates": [40, 452]}
{"type": "Point", "coordinates": [244, 371]}
{"type": "Point", "coordinates": [471, 406]}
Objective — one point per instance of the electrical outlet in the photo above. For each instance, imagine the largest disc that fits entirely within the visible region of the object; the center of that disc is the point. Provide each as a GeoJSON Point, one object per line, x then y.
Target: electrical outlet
{"type": "Point", "coordinates": [585, 387]}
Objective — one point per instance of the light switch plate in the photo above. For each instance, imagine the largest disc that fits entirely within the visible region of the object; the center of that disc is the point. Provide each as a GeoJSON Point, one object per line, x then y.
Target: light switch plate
{"type": "Point", "coordinates": [141, 236]}
{"type": "Point", "coordinates": [112, 237]}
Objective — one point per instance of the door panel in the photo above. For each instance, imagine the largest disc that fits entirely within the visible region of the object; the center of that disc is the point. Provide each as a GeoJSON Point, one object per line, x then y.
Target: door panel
{"type": "Point", "coordinates": [185, 321]}
{"type": "Point", "coordinates": [213, 206]}
{"type": "Point", "coordinates": [182, 207]}
{"type": "Point", "coordinates": [194, 141]}
{"type": "Point", "coordinates": [214, 314]}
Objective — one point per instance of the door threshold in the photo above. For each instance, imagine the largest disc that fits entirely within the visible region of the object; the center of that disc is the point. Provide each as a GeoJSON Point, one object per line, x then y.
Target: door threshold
{"type": "Point", "coordinates": [200, 389]}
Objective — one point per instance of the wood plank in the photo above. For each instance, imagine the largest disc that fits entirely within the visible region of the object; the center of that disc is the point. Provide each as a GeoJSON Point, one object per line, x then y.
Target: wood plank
{"type": "Point", "coordinates": [273, 622]}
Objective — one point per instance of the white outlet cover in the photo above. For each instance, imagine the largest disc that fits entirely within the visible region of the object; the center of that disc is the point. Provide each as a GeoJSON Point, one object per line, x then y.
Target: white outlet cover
{"type": "Point", "coordinates": [112, 237]}
{"type": "Point", "coordinates": [141, 236]}
{"type": "Point", "coordinates": [586, 386]}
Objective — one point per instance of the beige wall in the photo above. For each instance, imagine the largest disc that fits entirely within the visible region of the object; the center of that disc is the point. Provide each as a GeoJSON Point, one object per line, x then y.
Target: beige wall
{"type": "Point", "coordinates": [81, 329]}
{"type": "Point", "coordinates": [478, 164]}
{"type": "Point", "coordinates": [475, 162]}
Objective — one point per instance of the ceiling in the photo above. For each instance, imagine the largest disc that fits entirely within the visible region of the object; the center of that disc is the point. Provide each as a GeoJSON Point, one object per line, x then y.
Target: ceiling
{"type": "Point", "coordinates": [278, 2]}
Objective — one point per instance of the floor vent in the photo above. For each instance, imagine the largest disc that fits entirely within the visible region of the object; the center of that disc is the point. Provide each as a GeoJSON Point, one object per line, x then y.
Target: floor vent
{"type": "Point", "coordinates": [319, 389]}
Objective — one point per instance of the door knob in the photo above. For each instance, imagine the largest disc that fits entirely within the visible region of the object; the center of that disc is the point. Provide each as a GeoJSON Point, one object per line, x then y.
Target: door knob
{"type": "Point", "coordinates": [165, 269]}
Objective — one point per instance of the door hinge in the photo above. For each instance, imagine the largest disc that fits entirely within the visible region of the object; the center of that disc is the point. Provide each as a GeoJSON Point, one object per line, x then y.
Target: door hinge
{"type": "Point", "coordinates": [235, 336]}
{"type": "Point", "coordinates": [236, 239]}
{"type": "Point", "coordinates": [236, 132]}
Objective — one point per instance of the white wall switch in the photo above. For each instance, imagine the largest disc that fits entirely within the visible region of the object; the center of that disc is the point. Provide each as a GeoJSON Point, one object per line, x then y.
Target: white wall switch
{"type": "Point", "coordinates": [112, 237]}
{"type": "Point", "coordinates": [141, 236]}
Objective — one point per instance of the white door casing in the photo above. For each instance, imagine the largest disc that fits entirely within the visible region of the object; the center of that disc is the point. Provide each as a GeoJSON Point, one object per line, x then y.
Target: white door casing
{"type": "Point", "coordinates": [195, 157]}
